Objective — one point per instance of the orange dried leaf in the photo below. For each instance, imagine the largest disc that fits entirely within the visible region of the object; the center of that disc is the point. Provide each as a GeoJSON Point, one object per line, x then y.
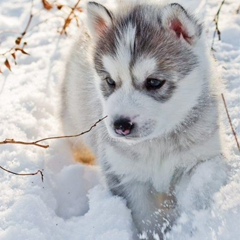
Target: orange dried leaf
{"type": "Point", "coordinates": [22, 51]}
{"type": "Point", "coordinates": [7, 64]}
{"type": "Point", "coordinates": [18, 40]}
{"type": "Point", "coordinates": [59, 7]}
{"type": "Point", "coordinates": [47, 5]}
{"type": "Point", "coordinates": [79, 9]}
{"type": "Point", "coordinates": [67, 22]}
{"type": "Point", "coordinates": [14, 56]}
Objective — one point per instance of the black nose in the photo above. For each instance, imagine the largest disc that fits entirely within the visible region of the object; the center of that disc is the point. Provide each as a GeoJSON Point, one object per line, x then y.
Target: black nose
{"type": "Point", "coordinates": [123, 126]}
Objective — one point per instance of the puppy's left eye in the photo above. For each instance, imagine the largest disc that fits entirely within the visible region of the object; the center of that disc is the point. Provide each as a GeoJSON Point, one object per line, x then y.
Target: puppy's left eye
{"type": "Point", "coordinates": [110, 81]}
{"type": "Point", "coordinates": [154, 84]}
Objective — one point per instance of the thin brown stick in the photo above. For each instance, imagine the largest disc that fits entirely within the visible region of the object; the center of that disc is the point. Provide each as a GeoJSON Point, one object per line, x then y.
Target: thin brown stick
{"type": "Point", "coordinates": [36, 143]}
{"type": "Point", "coordinates": [69, 18]}
{"type": "Point", "coordinates": [216, 20]}
{"type": "Point", "coordinates": [75, 135]}
{"type": "Point", "coordinates": [230, 121]}
{"type": "Point", "coordinates": [12, 141]}
{"type": "Point", "coordinates": [18, 46]}
{"type": "Point", "coordinates": [20, 38]}
{"type": "Point", "coordinates": [23, 174]}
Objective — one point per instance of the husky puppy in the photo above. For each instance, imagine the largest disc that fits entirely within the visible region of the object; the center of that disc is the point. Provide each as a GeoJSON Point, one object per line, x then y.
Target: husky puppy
{"type": "Point", "coordinates": [146, 67]}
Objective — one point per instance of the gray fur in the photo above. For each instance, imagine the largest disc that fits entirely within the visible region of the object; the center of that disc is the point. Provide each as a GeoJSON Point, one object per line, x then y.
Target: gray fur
{"type": "Point", "coordinates": [157, 43]}
{"type": "Point", "coordinates": [152, 167]}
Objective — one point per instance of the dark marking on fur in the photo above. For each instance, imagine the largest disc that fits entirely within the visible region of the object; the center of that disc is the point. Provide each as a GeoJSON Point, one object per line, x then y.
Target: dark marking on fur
{"type": "Point", "coordinates": [151, 40]}
{"type": "Point", "coordinates": [114, 181]}
{"type": "Point", "coordinates": [163, 96]}
{"type": "Point", "coordinates": [101, 6]}
{"type": "Point", "coordinates": [187, 129]}
{"type": "Point", "coordinates": [106, 89]}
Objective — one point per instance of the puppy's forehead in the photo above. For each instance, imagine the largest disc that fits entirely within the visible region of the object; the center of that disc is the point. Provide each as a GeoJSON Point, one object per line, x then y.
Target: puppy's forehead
{"type": "Point", "coordinates": [122, 56]}
{"type": "Point", "coordinates": [139, 36]}
{"type": "Point", "coordinates": [143, 67]}
{"type": "Point", "coordinates": [119, 62]}
{"type": "Point", "coordinates": [131, 30]}
{"type": "Point", "coordinates": [139, 70]}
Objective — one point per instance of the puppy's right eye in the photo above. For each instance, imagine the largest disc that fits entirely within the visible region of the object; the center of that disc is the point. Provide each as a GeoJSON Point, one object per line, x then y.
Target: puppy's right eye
{"type": "Point", "coordinates": [110, 82]}
{"type": "Point", "coordinates": [154, 84]}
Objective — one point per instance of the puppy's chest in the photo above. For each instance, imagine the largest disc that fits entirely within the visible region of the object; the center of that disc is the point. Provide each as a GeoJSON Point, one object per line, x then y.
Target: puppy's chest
{"type": "Point", "coordinates": [144, 164]}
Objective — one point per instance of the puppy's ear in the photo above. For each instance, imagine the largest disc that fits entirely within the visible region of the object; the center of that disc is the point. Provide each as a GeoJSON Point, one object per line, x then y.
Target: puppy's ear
{"type": "Point", "coordinates": [99, 19]}
{"type": "Point", "coordinates": [176, 19]}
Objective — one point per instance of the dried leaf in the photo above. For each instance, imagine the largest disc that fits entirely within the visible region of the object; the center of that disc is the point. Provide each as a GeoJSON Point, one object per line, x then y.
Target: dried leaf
{"type": "Point", "coordinates": [7, 64]}
{"type": "Point", "coordinates": [23, 51]}
{"type": "Point", "coordinates": [18, 40]}
{"type": "Point", "coordinates": [14, 56]}
{"type": "Point", "coordinates": [47, 5]}
{"type": "Point", "coordinates": [66, 24]}
{"type": "Point", "coordinates": [59, 7]}
{"type": "Point", "coordinates": [79, 9]}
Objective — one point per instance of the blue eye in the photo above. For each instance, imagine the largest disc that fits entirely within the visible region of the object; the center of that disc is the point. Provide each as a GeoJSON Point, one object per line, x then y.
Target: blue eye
{"type": "Point", "coordinates": [154, 84]}
{"type": "Point", "coordinates": [110, 81]}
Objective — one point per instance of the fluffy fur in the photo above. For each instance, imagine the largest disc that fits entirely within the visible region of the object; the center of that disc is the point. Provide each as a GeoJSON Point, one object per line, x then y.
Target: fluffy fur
{"type": "Point", "coordinates": [172, 135]}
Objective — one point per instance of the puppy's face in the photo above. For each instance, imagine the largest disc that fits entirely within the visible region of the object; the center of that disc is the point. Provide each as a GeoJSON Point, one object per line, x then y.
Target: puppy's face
{"type": "Point", "coordinates": [148, 67]}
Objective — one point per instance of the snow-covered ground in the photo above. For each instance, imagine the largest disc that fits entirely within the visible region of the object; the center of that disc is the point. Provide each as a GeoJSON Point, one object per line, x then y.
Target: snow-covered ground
{"type": "Point", "coordinates": [72, 201]}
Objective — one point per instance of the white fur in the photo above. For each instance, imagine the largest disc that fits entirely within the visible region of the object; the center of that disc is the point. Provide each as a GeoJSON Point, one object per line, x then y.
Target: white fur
{"type": "Point", "coordinates": [153, 157]}
{"type": "Point", "coordinates": [143, 68]}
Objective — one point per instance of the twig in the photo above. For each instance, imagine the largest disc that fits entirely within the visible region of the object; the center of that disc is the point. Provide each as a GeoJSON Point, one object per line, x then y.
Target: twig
{"type": "Point", "coordinates": [10, 56]}
{"type": "Point", "coordinates": [73, 136]}
{"type": "Point", "coordinates": [19, 39]}
{"type": "Point", "coordinates": [36, 143]}
{"type": "Point", "coordinates": [230, 121]}
{"type": "Point", "coordinates": [23, 174]}
{"type": "Point", "coordinates": [28, 23]}
{"type": "Point", "coordinates": [69, 18]}
{"type": "Point", "coordinates": [12, 141]}
{"type": "Point", "coordinates": [12, 51]}
{"type": "Point", "coordinates": [216, 20]}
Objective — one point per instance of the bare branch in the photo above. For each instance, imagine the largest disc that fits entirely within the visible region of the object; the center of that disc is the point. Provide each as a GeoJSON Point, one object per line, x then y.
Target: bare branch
{"type": "Point", "coordinates": [36, 143]}
{"type": "Point", "coordinates": [18, 46]}
{"type": "Point", "coordinates": [28, 23]}
{"type": "Point", "coordinates": [230, 121]}
{"type": "Point", "coordinates": [73, 136]}
{"type": "Point", "coordinates": [23, 174]}
{"type": "Point", "coordinates": [9, 56]}
{"type": "Point", "coordinates": [69, 18]}
{"type": "Point", "coordinates": [48, 6]}
{"type": "Point", "coordinates": [12, 141]}
{"type": "Point", "coordinates": [216, 20]}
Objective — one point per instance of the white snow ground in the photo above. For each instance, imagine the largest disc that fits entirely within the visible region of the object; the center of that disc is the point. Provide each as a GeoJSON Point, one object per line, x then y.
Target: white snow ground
{"type": "Point", "coordinates": [72, 202]}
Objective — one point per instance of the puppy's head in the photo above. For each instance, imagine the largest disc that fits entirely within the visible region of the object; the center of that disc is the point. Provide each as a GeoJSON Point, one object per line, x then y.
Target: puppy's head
{"type": "Point", "coordinates": [150, 63]}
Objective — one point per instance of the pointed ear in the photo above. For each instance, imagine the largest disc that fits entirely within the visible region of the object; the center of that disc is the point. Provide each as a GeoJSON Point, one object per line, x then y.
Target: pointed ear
{"type": "Point", "coordinates": [176, 19]}
{"type": "Point", "coordinates": [99, 19]}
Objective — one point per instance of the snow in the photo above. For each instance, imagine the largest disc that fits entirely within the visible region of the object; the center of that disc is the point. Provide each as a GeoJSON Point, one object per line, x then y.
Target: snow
{"type": "Point", "coordinates": [73, 202]}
